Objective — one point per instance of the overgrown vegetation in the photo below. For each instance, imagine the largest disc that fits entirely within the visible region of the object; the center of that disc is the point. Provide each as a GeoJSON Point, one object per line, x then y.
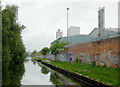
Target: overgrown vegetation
{"type": "Point", "coordinates": [45, 50]}
{"type": "Point", "coordinates": [13, 50]}
{"type": "Point", "coordinates": [27, 54]}
{"type": "Point", "coordinates": [54, 49]}
{"type": "Point", "coordinates": [57, 46]}
{"type": "Point", "coordinates": [102, 74]}
{"type": "Point", "coordinates": [33, 54]}
{"type": "Point", "coordinates": [0, 44]}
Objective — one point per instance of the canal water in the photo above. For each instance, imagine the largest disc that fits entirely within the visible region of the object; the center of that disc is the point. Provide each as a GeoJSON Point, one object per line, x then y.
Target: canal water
{"type": "Point", "coordinates": [38, 74]}
{"type": "Point", "coordinates": [33, 74]}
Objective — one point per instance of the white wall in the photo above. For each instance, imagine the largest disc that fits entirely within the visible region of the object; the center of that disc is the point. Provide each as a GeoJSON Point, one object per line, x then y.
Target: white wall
{"type": "Point", "coordinates": [72, 31]}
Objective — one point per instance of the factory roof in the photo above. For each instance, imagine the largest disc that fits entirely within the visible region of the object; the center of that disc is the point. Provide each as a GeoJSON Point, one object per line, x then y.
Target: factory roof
{"type": "Point", "coordinates": [106, 32]}
{"type": "Point", "coordinates": [80, 39]}
{"type": "Point", "coordinates": [74, 40]}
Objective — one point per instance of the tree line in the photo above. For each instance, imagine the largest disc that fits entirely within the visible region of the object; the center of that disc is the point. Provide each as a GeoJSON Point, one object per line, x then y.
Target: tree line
{"type": "Point", "coordinates": [54, 49]}
{"type": "Point", "coordinates": [13, 50]}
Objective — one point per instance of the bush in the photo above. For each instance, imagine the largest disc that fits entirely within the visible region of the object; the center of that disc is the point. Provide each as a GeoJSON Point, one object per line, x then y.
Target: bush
{"type": "Point", "coordinates": [93, 64]}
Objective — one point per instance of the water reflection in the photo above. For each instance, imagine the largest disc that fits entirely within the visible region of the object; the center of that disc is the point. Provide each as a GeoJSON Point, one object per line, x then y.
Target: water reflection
{"type": "Point", "coordinates": [33, 74]}
{"type": "Point", "coordinates": [13, 75]}
{"type": "Point", "coordinates": [33, 61]}
{"type": "Point", "coordinates": [55, 77]}
{"type": "Point", "coordinates": [44, 70]}
{"type": "Point", "coordinates": [60, 80]}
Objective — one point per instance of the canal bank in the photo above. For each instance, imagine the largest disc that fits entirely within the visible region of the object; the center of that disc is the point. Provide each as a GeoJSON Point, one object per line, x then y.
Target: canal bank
{"type": "Point", "coordinates": [76, 76]}
{"type": "Point", "coordinates": [39, 74]}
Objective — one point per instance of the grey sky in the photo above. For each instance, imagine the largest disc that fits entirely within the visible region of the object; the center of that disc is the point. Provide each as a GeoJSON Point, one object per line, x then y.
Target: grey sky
{"type": "Point", "coordinates": [42, 18]}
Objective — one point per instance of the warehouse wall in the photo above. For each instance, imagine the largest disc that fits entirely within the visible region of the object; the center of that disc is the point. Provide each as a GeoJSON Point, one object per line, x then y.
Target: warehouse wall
{"type": "Point", "coordinates": [103, 53]}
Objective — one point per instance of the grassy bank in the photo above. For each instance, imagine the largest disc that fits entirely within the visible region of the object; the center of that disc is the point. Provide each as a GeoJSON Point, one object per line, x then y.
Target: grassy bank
{"type": "Point", "coordinates": [99, 73]}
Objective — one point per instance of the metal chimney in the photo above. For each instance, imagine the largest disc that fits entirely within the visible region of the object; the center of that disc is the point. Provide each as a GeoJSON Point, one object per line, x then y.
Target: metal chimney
{"type": "Point", "coordinates": [101, 21]}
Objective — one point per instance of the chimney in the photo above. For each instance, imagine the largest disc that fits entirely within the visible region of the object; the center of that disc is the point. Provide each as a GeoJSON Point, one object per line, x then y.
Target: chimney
{"type": "Point", "coordinates": [58, 34]}
{"type": "Point", "coordinates": [101, 21]}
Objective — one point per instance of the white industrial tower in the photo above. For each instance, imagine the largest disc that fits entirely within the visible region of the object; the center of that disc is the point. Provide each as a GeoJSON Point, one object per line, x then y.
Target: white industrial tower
{"type": "Point", "coordinates": [119, 16]}
{"type": "Point", "coordinates": [101, 21]}
{"type": "Point", "coordinates": [58, 34]}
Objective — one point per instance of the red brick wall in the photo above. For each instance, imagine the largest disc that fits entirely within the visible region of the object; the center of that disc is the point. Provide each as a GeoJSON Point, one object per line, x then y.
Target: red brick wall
{"type": "Point", "coordinates": [103, 53]}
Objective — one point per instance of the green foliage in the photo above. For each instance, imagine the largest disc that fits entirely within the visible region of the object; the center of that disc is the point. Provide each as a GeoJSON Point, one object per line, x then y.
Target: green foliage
{"type": "Point", "coordinates": [27, 54]}
{"type": "Point", "coordinates": [102, 74]}
{"type": "Point", "coordinates": [54, 79]}
{"type": "Point", "coordinates": [44, 70]}
{"type": "Point", "coordinates": [77, 60]}
{"type": "Point", "coordinates": [13, 50]}
{"type": "Point", "coordinates": [45, 50]}
{"type": "Point", "coordinates": [57, 46]}
{"type": "Point", "coordinates": [93, 64]}
{"type": "Point", "coordinates": [39, 53]}
{"type": "Point", "coordinates": [0, 43]}
{"type": "Point", "coordinates": [33, 54]}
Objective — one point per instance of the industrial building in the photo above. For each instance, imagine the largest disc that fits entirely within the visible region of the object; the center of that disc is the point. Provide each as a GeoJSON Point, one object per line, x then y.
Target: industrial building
{"type": "Point", "coordinates": [73, 30]}
{"type": "Point", "coordinates": [79, 39]}
{"type": "Point", "coordinates": [106, 32]}
{"type": "Point", "coordinates": [100, 46]}
{"type": "Point", "coordinates": [91, 48]}
{"type": "Point", "coordinates": [74, 36]}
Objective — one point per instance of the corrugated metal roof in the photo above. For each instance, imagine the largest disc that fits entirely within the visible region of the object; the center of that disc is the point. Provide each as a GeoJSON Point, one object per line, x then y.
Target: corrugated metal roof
{"type": "Point", "coordinates": [77, 39]}
{"type": "Point", "coordinates": [106, 32]}
{"type": "Point", "coordinates": [80, 39]}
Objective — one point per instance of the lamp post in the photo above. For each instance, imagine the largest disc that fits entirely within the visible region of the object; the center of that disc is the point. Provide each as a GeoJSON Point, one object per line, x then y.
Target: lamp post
{"type": "Point", "coordinates": [67, 21]}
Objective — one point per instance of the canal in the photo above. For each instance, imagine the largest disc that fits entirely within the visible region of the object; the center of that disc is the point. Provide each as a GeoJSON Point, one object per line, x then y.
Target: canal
{"type": "Point", "coordinates": [38, 74]}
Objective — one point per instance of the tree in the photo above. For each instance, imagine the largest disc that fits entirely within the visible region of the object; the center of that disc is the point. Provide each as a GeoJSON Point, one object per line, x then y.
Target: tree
{"type": "Point", "coordinates": [57, 46]}
{"type": "Point", "coordinates": [45, 50]}
{"type": "Point", "coordinates": [39, 53]}
{"type": "Point", "coordinates": [13, 50]}
{"type": "Point", "coordinates": [27, 54]}
{"type": "Point", "coordinates": [33, 53]}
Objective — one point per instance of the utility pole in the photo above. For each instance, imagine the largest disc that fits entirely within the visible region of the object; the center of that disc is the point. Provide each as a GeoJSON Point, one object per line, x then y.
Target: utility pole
{"type": "Point", "coordinates": [67, 21]}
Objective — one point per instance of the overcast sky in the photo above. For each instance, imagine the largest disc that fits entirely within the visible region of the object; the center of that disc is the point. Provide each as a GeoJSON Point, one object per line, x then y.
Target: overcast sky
{"type": "Point", "coordinates": [43, 18]}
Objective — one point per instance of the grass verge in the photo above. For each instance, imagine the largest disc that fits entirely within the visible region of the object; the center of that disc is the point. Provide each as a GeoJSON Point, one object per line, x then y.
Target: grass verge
{"type": "Point", "coordinates": [102, 74]}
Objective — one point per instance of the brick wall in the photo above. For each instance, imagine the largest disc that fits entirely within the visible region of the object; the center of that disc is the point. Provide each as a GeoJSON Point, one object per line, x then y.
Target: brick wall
{"type": "Point", "coordinates": [103, 53]}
